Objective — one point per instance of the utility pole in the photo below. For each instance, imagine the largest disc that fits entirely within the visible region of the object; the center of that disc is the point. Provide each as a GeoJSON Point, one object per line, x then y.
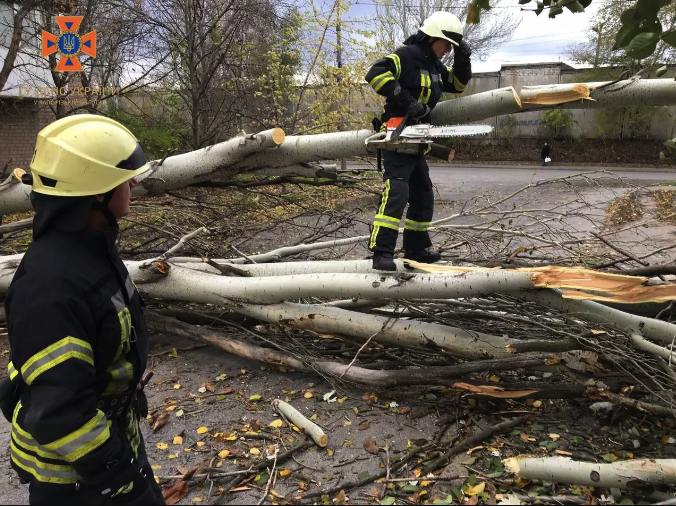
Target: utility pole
{"type": "Point", "coordinates": [598, 30]}
{"type": "Point", "coordinates": [339, 64]}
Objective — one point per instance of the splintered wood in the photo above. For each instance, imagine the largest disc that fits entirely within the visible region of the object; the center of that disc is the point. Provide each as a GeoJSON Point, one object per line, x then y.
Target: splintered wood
{"type": "Point", "coordinates": [555, 96]}
{"type": "Point", "coordinates": [578, 283]}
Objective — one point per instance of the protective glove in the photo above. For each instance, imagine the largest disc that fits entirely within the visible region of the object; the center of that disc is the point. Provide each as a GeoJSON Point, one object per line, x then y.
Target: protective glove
{"type": "Point", "coordinates": [462, 53]}
{"type": "Point", "coordinates": [119, 474]}
{"type": "Point", "coordinates": [416, 110]}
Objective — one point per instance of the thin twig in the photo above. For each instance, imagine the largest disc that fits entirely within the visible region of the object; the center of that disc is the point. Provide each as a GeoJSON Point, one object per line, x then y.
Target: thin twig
{"type": "Point", "coordinates": [270, 477]}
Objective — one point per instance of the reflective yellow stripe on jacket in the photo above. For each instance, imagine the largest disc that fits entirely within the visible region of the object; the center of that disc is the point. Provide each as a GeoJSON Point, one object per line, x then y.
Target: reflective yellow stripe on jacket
{"type": "Point", "coordinates": [380, 80]}
{"type": "Point", "coordinates": [60, 351]}
{"type": "Point", "coordinates": [11, 371]}
{"type": "Point", "coordinates": [455, 81]}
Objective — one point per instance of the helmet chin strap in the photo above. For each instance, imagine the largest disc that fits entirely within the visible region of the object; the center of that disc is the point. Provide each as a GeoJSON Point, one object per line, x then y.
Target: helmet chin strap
{"type": "Point", "coordinates": [103, 207]}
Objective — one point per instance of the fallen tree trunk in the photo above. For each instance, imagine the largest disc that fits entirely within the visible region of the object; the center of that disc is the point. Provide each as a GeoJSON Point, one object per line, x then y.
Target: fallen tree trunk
{"type": "Point", "coordinates": [356, 374]}
{"type": "Point", "coordinates": [407, 333]}
{"type": "Point", "coordinates": [624, 474]}
{"type": "Point", "coordinates": [270, 153]}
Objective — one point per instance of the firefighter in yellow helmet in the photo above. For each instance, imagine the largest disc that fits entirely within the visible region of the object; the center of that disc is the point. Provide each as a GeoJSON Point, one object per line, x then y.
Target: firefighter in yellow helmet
{"type": "Point", "coordinates": [412, 79]}
{"type": "Point", "coordinates": [78, 337]}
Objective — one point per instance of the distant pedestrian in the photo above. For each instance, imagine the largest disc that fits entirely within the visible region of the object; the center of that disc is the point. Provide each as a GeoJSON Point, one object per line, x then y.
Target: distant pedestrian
{"type": "Point", "coordinates": [545, 154]}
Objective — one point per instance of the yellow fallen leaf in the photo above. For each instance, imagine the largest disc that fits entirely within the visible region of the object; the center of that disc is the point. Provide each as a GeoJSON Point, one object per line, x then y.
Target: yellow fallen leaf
{"type": "Point", "coordinates": [537, 404]}
{"type": "Point", "coordinates": [285, 472]}
{"type": "Point", "coordinates": [200, 443]}
{"type": "Point", "coordinates": [231, 437]}
{"type": "Point", "coordinates": [162, 446]}
{"type": "Point", "coordinates": [177, 386]}
{"type": "Point", "coordinates": [254, 451]}
{"type": "Point", "coordinates": [342, 400]}
{"type": "Point", "coordinates": [196, 499]}
{"type": "Point", "coordinates": [329, 451]}
{"type": "Point", "coordinates": [416, 472]}
{"type": "Point", "coordinates": [202, 430]}
{"type": "Point", "coordinates": [309, 395]}
{"type": "Point", "coordinates": [178, 440]}
{"type": "Point", "coordinates": [295, 428]}
{"type": "Point", "coordinates": [171, 408]}
{"type": "Point", "coordinates": [424, 483]}
{"type": "Point", "coordinates": [223, 454]}
{"type": "Point", "coordinates": [276, 423]}
{"type": "Point", "coordinates": [554, 437]}
{"type": "Point", "coordinates": [172, 456]}
{"type": "Point", "coordinates": [495, 379]}
{"type": "Point", "coordinates": [156, 467]}
{"type": "Point", "coordinates": [187, 449]}
{"type": "Point", "coordinates": [157, 480]}
{"type": "Point", "coordinates": [477, 489]}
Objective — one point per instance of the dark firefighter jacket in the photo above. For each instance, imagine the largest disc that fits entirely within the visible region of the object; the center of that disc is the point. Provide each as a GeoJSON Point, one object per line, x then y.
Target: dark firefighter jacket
{"type": "Point", "coordinates": [79, 345]}
{"type": "Point", "coordinates": [415, 71]}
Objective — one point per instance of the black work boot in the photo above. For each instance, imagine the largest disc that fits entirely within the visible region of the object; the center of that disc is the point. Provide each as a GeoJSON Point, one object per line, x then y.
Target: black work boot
{"type": "Point", "coordinates": [384, 262]}
{"type": "Point", "coordinates": [425, 256]}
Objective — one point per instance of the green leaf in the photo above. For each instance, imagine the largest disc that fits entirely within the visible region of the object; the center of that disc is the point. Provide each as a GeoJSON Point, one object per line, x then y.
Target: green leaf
{"type": "Point", "coordinates": [608, 458]}
{"type": "Point", "coordinates": [625, 35]}
{"type": "Point", "coordinates": [410, 488]}
{"type": "Point", "coordinates": [471, 481]}
{"type": "Point", "coordinates": [634, 430]}
{"type": "Point", "coordinates": [535, 426]}
{"type": "Point", "coordinates": [643, 45]}
{"type": "Point", "coordinates": [363, 475]}
{"type": "Point", "coordinates": [469, 461]}
{"type": "Point", "coordinates": [388, 501]}
{"type": "Point", "coordinates": [264, 479]}
{"type": "Point", "coordinates": [255, 398]}
{"type": "Point", "coordinates": [671, 143]}
{"type": "Point", "coordinates": [555, 11]}
{"type": "Point", "coordinates": [627, 501]}
{"type": "Point", "coordinates": [670, 38]}
{"type": "Point", "coordinates": [650, 8]}
{"type": "Point", "coordinates": [515, 432]}
{"type": "Point", "coordinates": [575, 7]}
{"type": "Point", "coordinates": [220, 397]}
{"type": "Point", "coordinates": [457, 493]}
{"type": "Point", "coordinates": [448, 500]}
{"type": "Point", "coordinates": [431, 397]}
{"type": "Point", "coordinates": [617, 493]}
{"type": "Point", "coordinates": [631, 17]}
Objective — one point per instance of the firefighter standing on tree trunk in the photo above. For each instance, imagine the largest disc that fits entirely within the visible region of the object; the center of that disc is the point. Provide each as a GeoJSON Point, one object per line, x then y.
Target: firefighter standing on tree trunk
{"type": "Point", "coordinates": [412, 80]}
{"type": "Point", "coordinates": [77, 334]}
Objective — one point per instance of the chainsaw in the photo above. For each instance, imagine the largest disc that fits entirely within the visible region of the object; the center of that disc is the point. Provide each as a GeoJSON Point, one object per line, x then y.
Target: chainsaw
{"type": "Point", "coordinates": [397, 135]}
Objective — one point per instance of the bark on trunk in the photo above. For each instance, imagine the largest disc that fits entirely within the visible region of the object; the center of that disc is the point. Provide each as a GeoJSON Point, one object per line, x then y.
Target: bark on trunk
{"type": "Point", "coordinates": [331, 320]}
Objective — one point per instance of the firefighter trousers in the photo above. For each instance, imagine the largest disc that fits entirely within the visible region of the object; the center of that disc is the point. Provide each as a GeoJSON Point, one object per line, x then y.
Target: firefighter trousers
{"type": "Point", "coordinates": [407, 180]}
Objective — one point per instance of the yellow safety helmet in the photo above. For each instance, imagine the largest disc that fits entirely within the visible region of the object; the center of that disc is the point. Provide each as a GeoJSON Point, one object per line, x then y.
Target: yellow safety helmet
{"type": "Point", "coordinates": [443, 25]}
{"type": "Point", "coordinates": [84, 154]}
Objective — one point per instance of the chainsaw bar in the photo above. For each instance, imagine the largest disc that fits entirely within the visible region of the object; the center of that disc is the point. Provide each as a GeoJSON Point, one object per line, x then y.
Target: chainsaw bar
{"type": "Point", "coordinates": [415, 135]}
{"type": "Point", "coordinates": [457, 131]}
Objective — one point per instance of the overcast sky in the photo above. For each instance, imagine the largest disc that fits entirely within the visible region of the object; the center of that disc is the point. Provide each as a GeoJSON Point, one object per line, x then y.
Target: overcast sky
{"type": "Point", "coordinates": [537, 39]}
